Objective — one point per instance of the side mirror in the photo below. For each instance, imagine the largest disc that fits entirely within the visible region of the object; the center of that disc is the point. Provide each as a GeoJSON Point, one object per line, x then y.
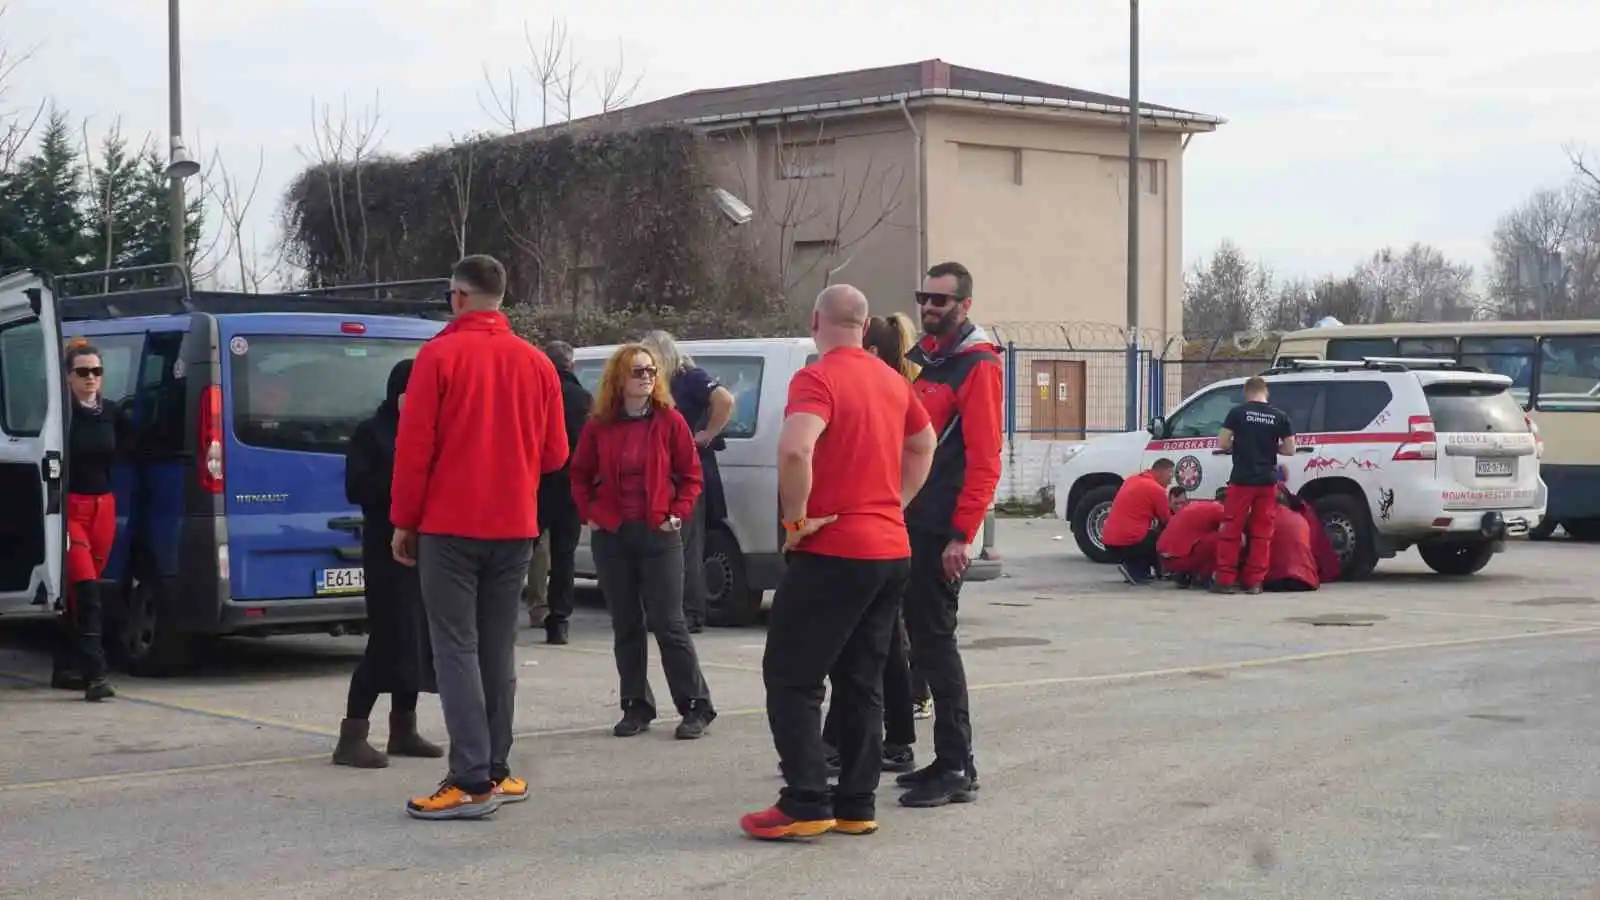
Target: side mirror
{"type": "Point", "coordinates": [1158, 427]}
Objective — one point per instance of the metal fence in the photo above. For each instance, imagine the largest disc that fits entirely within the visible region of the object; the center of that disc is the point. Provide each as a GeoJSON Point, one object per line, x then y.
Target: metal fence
{"type": "Point", "coordinates": [1065, 391]}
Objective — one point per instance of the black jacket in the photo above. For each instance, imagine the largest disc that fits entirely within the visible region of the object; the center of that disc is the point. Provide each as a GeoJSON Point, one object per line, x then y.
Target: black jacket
{"type": "Point", "coordinates": [555, 488]}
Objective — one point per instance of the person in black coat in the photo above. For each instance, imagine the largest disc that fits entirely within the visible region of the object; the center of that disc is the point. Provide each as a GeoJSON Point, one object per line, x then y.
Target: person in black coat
{"type": "Point", "coordinates": [398, 660]}
{"type": "Point", "coordinates": [559, 527]}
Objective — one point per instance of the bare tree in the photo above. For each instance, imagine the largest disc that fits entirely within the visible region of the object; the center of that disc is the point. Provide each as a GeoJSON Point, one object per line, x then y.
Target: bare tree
{"type": "Point", "coordinates": [554, 77]}
{"type": "Point", "coordinates": [234, 199]}
{"type": "Point", "coordinates": [462, 159]}
{"type": "Point", "coordinates": [1418, 284]}
{"type": "Point", "coordinates": [343, 147]}
{"type": "Point", "coordinates": [15, 126]}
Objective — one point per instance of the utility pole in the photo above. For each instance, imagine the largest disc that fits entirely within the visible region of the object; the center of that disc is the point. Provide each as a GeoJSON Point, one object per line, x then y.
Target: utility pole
{"type": "Point", "coordinates": [1133, 215]}
{"type": "Point", "coordinates": [179, 165]}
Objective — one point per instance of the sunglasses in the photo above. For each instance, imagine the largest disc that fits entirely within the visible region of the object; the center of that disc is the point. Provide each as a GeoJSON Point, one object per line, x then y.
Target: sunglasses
{"type": "Point", "coordinates": [89, 372]}
{"type": "Point", "coordinates": [928, 298]}
{"type": "Point", "coordinates": [643, 372]}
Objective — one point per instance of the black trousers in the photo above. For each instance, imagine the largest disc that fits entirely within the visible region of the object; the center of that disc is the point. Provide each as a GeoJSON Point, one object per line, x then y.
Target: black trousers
{"type": "Point", "coordinates": [562, 531]}
{"type": "Point", "coordinates": [833, 619]}
{"type": "Point", "coordinates": [932, 601]}
{"type": "Point", "coordinates": [1140, 557]}
{"type": "Point", "coordinates": [899, 725]}
{"type": "Point", "coordinates": [694, 564]}
{"type": "Point", "coordinates": [641, 575]}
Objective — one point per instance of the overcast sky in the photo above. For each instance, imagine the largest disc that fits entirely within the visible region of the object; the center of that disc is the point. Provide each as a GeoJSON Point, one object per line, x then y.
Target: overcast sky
{"type": "Point", "coordinates": [1352, 124]}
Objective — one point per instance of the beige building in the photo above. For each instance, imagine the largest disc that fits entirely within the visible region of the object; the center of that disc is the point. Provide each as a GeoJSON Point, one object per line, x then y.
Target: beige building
{"type": "Point", "coordinates": [869, 177]}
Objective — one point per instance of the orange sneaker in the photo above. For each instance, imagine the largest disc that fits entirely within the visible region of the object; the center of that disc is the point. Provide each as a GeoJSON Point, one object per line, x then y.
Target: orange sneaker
{"type": "Point", "coordinates": [511, 789]}
{"type": "Point", "coordinates": [451, 802]}
{"type": "Point", "coordinates": [855, 826]}
{"type": "Point", "coordinates": [772, 824]}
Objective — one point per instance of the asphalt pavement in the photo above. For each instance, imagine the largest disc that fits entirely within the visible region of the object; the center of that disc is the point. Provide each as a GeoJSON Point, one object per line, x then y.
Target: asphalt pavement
{"type": "Point", "coordinates": [1411, 736]}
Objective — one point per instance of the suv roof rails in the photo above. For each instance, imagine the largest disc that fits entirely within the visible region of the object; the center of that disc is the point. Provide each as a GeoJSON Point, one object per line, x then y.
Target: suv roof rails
{"type": "Point", "coordinates": [114, 301]}
{"type": "Point", "coordinates": [1371, 364]}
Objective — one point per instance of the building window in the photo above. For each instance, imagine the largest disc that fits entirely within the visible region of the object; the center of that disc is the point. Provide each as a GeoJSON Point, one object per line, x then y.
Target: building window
{"type": "Point", "coordinates": [805, 159]}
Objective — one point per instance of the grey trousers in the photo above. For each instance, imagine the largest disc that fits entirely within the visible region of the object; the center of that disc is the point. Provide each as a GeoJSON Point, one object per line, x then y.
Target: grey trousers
{"type": "Point", "coordinates": [641, 575]}
{"type": "Point", "coordinates": [472, 590]}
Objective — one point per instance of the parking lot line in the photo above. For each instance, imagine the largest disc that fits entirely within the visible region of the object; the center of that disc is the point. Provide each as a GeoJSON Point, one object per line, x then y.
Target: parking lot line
{"type": "Point", "coordinates": [1464, 615]}
{"type": "Point", "coordinates": [226, 715]}
{"type": "Point", "coordinates": [1107, 678]}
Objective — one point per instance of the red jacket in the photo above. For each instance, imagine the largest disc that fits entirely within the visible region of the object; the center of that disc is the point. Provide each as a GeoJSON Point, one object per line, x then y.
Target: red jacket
{"type": "Point", "coordinates": [481, 422]}
{"type": "Point", "coordinates": [1141, 500]}
{"type": "Point", "coordinates": [672, 470]}
{"type": "Point", "coordinates": [962, 386]}
{"type": "Point", "coordinates": [1290, 555]}
{"type": "Point", "coordinates": [1196, 520]}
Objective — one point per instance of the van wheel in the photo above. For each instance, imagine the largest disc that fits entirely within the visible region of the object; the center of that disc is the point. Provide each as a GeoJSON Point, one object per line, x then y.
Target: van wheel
{"type": "Point", "coordinates": [1349, 527]}
{"type": "Point", "coordinates": [1456, 558]}
{"type": "Point", "coordinates": [141, 643]}
{"type": "Point", "coordinates": [1089, 519]}
{"type": "Point", "coordinates": [729, 603]}
{"type": "Point", "coordinates": [1547, 527]}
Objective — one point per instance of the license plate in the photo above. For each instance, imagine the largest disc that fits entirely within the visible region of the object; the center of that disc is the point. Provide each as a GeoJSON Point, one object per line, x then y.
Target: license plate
{"type": "Point", "coordinates": [1497, 467]}
{"type": "Point", "coordinates": [341, 581]}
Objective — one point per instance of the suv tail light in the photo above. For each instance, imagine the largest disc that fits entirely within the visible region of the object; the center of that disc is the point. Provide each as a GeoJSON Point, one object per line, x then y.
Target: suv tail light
{"type": "Point", "coordinates": [1538, 442]}
{"type": "Point", "coordinates": [211, 439]}
{"type": "Point", "coordinates": [1422, 443]}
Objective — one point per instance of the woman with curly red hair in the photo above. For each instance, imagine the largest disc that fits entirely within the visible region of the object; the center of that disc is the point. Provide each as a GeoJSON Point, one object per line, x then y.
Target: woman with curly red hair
{"type": "Point", "coordinates": [635, 478]}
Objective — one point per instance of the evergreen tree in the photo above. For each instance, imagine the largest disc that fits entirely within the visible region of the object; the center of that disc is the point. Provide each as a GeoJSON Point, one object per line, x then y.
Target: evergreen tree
{"type": "Point", "coordinates": [113, 203]}
{"type": "Point", "coordinates": [52, 236]}
{"type": "Point", "coordinates": [150, 235]}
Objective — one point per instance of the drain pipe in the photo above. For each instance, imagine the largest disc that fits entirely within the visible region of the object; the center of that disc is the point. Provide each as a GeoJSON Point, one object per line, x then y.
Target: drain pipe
{"type": "Point", "coordinates": [922, 231]}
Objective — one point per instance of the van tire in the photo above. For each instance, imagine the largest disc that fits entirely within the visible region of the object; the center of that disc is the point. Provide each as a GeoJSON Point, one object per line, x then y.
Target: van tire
{"type": "Point", "coordinates": [141, 642]}
{"type": "Point", "coordinates": [1082, 515]}
{"type": "Point", "coordinates": [1345, 517]}
{"type": "Point", "coordinates": [1457, 558]}
{"type": "Point", "coordinates": [730, 603]}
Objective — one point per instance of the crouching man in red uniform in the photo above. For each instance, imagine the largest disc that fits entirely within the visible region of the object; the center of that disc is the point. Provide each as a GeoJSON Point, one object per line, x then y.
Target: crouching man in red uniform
{"type": "Point", "coordinates": [1188, 545]}
{"type": "Point", "coordinates": [1302, 556]}
{"type": "Point", "coordinates": [1142, 506]}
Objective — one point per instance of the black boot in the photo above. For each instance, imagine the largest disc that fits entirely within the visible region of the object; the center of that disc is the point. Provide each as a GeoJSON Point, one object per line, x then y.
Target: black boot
{"type": "Point", "coordinates": [405, 741]}
{"type": "Point", "coordinates": [89, 640]}
{"type": "Point", "coordinates": [353, 749]}
{"type": "Point", "coordinates": [555, 631]}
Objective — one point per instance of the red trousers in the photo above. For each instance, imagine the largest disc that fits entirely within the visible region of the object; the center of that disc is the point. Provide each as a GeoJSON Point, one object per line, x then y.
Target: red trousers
{"type": "Point", "coordinates": [1248, 509]}
{"type": "Point", "coordinates": [91, 529]}
{"type": "Point", "coordinates": [1199, 563]}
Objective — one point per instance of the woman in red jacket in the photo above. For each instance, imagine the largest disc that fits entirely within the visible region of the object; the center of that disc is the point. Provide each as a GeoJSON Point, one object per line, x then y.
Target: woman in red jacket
{"type": "Point", "coordinates": [635, 478]}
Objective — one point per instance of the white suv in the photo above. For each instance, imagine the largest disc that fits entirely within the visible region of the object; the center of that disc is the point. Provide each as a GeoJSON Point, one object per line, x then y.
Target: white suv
{"type": "Point", "coordinates": [1392, 453]}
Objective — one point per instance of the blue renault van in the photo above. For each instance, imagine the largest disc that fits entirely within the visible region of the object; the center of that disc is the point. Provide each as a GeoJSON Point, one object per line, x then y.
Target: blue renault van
{"type": "Point", "coordinates": [232, 518]}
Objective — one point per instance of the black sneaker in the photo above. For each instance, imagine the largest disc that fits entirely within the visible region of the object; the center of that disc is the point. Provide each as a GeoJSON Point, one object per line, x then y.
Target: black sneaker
{"type": "Point", "coordinates": [929, 773]}
{"type": "Point", "coordinates": [98, 690]}
{"type": "Point", "coordinates": [633, 723]}
{"type": "Point", "coordinates": [555, 633]}
{"type": "Point", "coordinates": [696, 626]}
{"type": "Point", "coordinates": [1253, 589]}
{"type": "Point", "coordinates": [1220, 588]}
{"type": "Point", "coordinates": [694, 722]}
{"type": "Point", "coordinates": [939, 789]}
{"type": "Point", "coordinates": [898, 758]}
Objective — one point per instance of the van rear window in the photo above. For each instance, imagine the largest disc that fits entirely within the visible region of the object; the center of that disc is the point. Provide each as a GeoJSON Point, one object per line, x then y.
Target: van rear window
{"type": "Point", "coordinates": [308, 393]}
{"type": "Point", "coordinates": [1468, 408]}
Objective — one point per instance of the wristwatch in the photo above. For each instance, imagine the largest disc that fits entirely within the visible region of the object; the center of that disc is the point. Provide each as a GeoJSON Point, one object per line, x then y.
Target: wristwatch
{"type": "Point", "coordinates": [794, 526]}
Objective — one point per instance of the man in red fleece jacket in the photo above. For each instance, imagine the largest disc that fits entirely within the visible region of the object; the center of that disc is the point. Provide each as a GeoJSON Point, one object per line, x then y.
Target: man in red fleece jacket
{"type": "Point", "coordinates": [482, 423]}
{"type": "Point", "coordinates": [961, 388]}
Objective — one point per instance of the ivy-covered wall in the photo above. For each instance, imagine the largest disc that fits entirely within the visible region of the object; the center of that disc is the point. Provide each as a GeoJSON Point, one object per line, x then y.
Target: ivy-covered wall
{"type": "Point", "coordinates": [603, 235]}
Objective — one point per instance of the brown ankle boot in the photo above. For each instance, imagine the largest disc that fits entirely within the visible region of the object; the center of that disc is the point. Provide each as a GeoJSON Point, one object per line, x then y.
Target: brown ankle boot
{"type": "Point", "coordinates": [353, 749]}
{"type": "Point", "coordinates": [405, 741]}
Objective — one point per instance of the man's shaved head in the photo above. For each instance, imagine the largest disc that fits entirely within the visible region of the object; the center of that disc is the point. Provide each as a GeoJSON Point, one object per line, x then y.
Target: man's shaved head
{"type": "Point", "coordinates": [842, 305]}
{"type": "Point", "coordinates": [839, 317]}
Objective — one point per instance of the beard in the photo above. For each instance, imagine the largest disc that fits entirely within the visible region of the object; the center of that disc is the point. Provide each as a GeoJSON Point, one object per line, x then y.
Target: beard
{"type": "Point", "coordinates": [940, 323]}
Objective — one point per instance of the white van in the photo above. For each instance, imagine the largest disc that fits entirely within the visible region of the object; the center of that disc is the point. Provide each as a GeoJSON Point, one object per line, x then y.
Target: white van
{"type": "Point", "coordinates": [33, 437]}
{"type": "Point", "coordinates": [743, 557]}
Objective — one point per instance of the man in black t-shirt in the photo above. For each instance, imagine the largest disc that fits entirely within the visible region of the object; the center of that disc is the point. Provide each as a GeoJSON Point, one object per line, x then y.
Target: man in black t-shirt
{"type": "Point", "coordinates": [1256, 433]}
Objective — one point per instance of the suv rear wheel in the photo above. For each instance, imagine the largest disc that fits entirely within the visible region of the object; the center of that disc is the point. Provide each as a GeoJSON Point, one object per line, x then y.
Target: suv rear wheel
{"type": "Point", "coordinates": [1456, 558]}
{"type": "Point", "coordinates": [1089, 519]}
{"type": "Point", "coordinates": [729, 599]}
{"type": "Point", "coordinates": [1349, 526]}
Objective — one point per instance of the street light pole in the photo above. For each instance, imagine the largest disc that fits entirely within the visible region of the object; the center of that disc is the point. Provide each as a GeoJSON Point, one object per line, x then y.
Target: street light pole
{"type": "Point", "coordinates": [179, 165]}
{"type": "Point", "coordinates": [1133, 215]}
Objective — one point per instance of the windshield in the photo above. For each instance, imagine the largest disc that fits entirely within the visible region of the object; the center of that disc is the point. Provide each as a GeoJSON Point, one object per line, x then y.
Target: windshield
{"type": "Point", "coordinates": [1467, 407]}
{"type": "Point", "coordinates": [308, 393]}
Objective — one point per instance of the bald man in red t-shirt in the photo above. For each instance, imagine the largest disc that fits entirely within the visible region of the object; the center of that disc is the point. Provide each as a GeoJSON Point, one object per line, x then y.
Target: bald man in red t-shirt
{"type": "Point", "coordinates": [856, 447]}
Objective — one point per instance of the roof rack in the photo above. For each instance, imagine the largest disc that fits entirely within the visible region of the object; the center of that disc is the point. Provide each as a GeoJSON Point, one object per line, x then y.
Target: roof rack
{"type": "Point", "coordinates": [129, 292]}
{"type": "Point", "coordinates": [1371, 364]}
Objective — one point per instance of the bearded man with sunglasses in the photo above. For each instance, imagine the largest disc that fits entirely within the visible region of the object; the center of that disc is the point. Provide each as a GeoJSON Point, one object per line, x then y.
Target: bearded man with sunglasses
{"type": "Point", "coordinates": [960, 386]}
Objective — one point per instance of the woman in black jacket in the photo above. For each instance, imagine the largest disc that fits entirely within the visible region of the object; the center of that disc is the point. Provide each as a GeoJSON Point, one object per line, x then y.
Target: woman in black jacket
{"type": "Point", "coordinates": [398, 661]}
